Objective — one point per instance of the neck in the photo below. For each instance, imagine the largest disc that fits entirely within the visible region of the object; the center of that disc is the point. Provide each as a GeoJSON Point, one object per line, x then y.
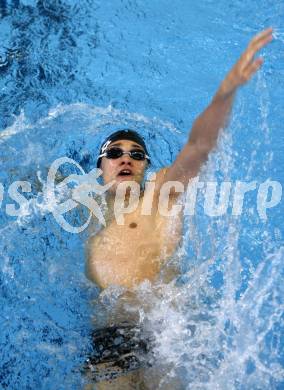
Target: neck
{"type": "Point", "coordinates": [124, 202]}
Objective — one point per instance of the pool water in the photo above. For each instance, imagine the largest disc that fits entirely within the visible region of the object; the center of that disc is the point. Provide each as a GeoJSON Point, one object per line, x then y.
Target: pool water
{"type": "Point", "coordinates": [70, 73]}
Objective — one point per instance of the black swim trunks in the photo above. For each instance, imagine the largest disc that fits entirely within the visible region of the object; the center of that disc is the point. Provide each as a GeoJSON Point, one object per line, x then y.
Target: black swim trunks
{"type": "Point", "coordinates": [118, 350]}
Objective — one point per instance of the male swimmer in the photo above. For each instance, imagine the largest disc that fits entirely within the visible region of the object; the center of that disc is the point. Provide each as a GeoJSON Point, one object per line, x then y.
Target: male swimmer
{"type": "Point", "coordinates": [127, 254]}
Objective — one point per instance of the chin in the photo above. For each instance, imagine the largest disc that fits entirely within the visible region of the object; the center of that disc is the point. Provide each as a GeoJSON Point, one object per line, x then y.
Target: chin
{"type": "Point", "coordinates": [119, 179]}
{"type": "Point", "coordinates": [122, 179]}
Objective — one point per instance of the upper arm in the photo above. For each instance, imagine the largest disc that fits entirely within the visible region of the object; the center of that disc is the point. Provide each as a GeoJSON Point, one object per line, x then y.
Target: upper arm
{"type": "Point", "coordinates": [89, 269]}
{"type": "Point", "coordinates": [186, 166]}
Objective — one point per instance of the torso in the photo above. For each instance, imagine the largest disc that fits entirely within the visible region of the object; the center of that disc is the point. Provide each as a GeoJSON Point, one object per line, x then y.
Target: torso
{"type": "Point", "coordinates": [125, 255]}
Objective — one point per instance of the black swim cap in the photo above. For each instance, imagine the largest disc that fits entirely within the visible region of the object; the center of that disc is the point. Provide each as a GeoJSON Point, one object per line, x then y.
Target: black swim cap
{"type": "Point", "coordinates": [127, 134]}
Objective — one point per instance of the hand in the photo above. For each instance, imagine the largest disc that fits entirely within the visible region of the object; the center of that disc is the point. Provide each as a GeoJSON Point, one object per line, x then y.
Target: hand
{"type": "Point", "coordinates": [246, 66]}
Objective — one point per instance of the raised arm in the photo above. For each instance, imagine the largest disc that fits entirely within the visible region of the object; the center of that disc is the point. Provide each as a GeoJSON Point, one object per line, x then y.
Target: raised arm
{"type": "Point", "coordinates": [206, 128]}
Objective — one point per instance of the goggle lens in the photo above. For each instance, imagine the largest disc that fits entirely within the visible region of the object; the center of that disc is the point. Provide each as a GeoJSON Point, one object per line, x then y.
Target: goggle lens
{"type": "Point", "coordinates": [115, 153]}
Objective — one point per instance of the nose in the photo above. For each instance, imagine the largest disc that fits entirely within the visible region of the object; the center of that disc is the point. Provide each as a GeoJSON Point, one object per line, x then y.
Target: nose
{"type": "Point", "coordinates": [125, 159]}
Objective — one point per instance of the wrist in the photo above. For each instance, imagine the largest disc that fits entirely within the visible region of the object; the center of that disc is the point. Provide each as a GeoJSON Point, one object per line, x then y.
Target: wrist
{"type": "Point", "coordinates": [225, 91]}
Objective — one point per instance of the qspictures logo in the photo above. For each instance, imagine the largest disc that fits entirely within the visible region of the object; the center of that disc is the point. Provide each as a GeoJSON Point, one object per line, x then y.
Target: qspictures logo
{"type": "Point", "coordinates": [128, 196]}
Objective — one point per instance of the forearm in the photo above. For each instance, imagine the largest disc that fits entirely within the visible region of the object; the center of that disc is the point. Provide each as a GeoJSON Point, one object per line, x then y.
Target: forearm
{"type": "Point", "coordinates": [207, 126]}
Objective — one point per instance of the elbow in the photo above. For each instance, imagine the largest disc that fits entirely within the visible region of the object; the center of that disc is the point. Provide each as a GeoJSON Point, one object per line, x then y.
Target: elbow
{"type": "Point", "coordinates": [89, 272]}
{"type": "Point", "coordinates": [89, 267]}
{"type": "Point", "coordinates": [202, 149]}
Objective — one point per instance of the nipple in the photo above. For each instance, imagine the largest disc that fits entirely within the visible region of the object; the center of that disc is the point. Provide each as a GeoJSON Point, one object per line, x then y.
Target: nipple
{"type": "Point", "coordinates": [133, 225]}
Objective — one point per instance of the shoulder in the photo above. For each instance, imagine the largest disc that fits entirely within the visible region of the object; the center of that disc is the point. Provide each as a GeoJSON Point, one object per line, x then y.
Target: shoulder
{"type": "Point", "coordinates": [163, 178]}
{"type": "Point", "coordinates": [160, 177]}
{"type": "Point", "coordinates": [165, 190]}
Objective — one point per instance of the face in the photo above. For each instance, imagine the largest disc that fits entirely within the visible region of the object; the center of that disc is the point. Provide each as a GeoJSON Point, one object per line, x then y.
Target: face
{"type": "Point", "coordinates": [123, 168]}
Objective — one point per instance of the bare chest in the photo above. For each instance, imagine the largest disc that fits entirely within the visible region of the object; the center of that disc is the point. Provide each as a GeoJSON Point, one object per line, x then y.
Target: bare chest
{"type": "Point", "coordinates": [129, 253]}
{"type": "Point", "coordinates": [133, 241]}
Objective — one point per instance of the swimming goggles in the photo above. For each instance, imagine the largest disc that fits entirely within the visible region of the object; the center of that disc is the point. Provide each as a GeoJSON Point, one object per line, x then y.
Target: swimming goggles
{"type": "Point", "coordinates": [114, 153]}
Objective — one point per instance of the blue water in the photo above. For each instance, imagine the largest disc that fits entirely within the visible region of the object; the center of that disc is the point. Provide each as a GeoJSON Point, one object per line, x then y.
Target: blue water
{"type": "Point", "coordinates": [72, 72]}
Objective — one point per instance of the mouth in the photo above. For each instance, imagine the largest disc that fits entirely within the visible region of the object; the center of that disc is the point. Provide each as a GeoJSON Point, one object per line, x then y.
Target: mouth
{"type": "Point", "coordinates": [125, 173]}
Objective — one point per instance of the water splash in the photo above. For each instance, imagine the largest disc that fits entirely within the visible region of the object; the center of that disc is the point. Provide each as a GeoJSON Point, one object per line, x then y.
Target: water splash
{"type": "Point", "coordinates": [44, 291]}
{"type": "Point", "coordinates": [220, 325]}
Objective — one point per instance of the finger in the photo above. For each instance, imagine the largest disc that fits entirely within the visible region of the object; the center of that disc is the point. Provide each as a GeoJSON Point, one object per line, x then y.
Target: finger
{"type": "Point", "coordinates": [252, 68]}
{"type": "Point", "coordinates": [262, 35]}
{"type": "Point", "coordinates": [249, 54]}
{"type": "Point", "coordinates": [260, 43]}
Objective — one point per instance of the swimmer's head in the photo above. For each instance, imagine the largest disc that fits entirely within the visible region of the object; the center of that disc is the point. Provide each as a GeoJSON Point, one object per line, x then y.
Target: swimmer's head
{"type": "Point", "coordinates": [123, 156]}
